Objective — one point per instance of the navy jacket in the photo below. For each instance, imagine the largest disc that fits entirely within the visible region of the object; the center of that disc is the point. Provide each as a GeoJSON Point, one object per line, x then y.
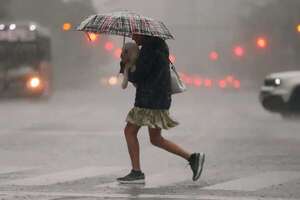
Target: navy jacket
{"type": "Point", "coordinates": [152, 76]}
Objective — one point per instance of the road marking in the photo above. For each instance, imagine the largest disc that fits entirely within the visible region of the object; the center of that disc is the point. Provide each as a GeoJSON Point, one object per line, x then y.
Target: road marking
{"type": "Point", "coordinates": [257, 182]}
{"type": "Point", "coordinates": [169, 178]}
{"type": "Point", "coordinates": [139, 196]}
{"type": "Point", "coordinates": [77, 132]}
{"type": "Point", "coordinates": [65, 176]}
{"type": "Point", "coordinates": [10, 169]}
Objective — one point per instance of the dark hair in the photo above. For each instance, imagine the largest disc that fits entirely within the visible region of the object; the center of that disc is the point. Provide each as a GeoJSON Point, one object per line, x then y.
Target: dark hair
{"type": "Point", "coordinates": [157, 43]}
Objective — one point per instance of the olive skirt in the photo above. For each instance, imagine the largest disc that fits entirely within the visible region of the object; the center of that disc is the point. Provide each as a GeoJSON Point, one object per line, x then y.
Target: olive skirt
{"type": "Point", "coordinates": [153, 118]}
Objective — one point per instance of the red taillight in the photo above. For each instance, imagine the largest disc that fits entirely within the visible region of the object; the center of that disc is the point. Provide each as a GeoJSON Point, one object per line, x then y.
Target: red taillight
{"type": "Point", "coordinates": [230, 79]}
{"type": "Point", "coordinates": [261, 42]}
{"type": "Point", "coordinates": [214, 56]}
{"type": "Point", "coordinates": [109, 46]}
{"type": "Point", "coordinates": [208, 83]}
{"type": "Point", "coordinates": [188, 80]}
{"type": "Point", "coordinates": [239, 51]}
{"type": "Point", "coordinates": [197, 82]}
{"type": "Point", "coordinates": [237, 84]}
{"type": "Point", "coordinates": [222, 84]}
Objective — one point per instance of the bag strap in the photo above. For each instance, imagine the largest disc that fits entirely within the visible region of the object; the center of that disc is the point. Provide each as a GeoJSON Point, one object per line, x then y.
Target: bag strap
{"type": "Point", "coordinates": [173, 66]}
{"type": "Point", "coordinates": [174, 70]}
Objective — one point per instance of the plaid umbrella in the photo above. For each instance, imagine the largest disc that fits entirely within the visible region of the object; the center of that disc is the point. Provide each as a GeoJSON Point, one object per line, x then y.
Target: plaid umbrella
{"type": "Point", "coordinates": [124, 23]}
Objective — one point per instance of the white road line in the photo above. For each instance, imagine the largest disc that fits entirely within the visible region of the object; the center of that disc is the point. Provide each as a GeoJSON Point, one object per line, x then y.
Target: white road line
{"type": "Point", "coordinates": [140, 196]}
{"type": "Point", "coordinates": [79, 132]}
{"type": "Point", "coordinates": [168, 178]}
{"type": "Point", "coordinates": [65, 176]}
{"type": "Point", "coordinates": [257, 182]}
{"type": "Point", "coordinates": [12, 169]}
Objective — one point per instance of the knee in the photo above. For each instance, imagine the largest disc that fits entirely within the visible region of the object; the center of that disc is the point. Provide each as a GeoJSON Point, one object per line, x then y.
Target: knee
{"type": "Point", "coordinates": [156, 141]}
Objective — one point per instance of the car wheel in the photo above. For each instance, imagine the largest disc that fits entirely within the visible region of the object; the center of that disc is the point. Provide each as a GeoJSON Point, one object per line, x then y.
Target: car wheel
{"type": "Point", "coordinates": [273, 104]}
{"type": "Point", "coordinates": [294, 102]}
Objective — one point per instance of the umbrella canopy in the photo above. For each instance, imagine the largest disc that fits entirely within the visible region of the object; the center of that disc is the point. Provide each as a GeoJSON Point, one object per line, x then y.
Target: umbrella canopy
{"type": "Point", "coordinates": [124, 23]}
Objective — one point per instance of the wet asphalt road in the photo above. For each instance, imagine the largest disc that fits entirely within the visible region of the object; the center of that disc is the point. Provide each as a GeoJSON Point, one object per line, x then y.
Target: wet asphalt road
{"type": "Point", "coordinates": [72, 147]}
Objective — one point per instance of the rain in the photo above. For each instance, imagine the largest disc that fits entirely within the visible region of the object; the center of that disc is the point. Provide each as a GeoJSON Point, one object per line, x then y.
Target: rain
{"type": "Point", "coordinates": [63, 110]}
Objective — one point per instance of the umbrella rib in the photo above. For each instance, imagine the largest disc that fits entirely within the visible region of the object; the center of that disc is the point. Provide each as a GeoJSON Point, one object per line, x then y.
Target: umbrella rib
{"type": "Point", "coordinates": [129, 31]}
{"type": "Point", "coordinates": [131, 25]}
{"type": "Point", "coordinates": [126, 24]}
{"type": "Point", "coordinates": [149, 27]}
{"type": "Point", "coordinates": [104, 25]}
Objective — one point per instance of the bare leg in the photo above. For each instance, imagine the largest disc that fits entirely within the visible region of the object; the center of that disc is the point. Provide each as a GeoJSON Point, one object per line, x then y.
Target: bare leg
{"type": "Point", "coordinates": [131, 132]}
{"type": "Point", "coordinates": [157, 140]}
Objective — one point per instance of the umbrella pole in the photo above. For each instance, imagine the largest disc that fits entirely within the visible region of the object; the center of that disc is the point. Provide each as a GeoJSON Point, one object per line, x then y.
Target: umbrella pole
{"type": "Point", "coordinates": [123, 47]}
{"type": "Point", "coordinates": [88, 36]}
{"type": "Point", "coordinates": [123, 40]}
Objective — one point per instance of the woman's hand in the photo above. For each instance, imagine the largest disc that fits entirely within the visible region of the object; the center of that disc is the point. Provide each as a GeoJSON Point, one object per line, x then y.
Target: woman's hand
{"type": "Point", "coordinates": [122, 67]}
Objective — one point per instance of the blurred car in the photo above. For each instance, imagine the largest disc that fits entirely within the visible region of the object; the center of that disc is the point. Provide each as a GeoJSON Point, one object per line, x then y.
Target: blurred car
{"type": "Point", "coordinates": [25, 59]}
{"type": "Point", "coordinates": [281, 93]}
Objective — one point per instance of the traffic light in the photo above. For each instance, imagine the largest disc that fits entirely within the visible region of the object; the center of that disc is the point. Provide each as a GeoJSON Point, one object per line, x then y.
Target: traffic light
{"type": "Point", "coordinates": [214, 56]}
{"type": "Point", "coordinates": [239, 51]}
{"type": "Point", "coordinates": [208, 83]}
{"type": "Point", "coordinates": [261, 42]}
{"type": "Point", "coordinates": [67, 26]}
{"type": "Point", "coordinates": [93, 37]}
{"type": "Point", "coordinates": [222, 84]}
{"type": "Point", "coordinates": [109, 46]}
{"type": "Point", "coordinates": [197, 82]}
{"type": "Point", "coordinates": [298, 28]}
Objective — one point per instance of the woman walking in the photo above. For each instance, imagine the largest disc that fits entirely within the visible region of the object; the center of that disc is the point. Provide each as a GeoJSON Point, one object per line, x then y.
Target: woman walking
{"type": "Point", "coordinates": [151, 107]}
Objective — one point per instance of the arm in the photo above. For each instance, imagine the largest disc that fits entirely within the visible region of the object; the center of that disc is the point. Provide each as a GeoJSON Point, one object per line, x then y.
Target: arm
{"type": "Point", "coordinates": [143, 69]}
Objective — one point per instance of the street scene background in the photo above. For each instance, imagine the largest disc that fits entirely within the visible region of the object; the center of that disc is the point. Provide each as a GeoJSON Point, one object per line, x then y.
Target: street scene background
{"type": "Point", "coordinates": [71, 145]}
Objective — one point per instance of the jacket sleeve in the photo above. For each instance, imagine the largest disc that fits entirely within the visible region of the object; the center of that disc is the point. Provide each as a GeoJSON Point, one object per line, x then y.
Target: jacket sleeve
{"type": "Point", "coordinates": [143, 69]}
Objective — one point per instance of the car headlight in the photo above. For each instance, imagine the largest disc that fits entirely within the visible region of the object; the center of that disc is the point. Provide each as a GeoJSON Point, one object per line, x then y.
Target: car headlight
{"type": "Point", "coordinates": [273, 82]}
{"type": "Point", "coordinates": [34, 82]}
{"type": "Point", "coordinates": [277, 81]}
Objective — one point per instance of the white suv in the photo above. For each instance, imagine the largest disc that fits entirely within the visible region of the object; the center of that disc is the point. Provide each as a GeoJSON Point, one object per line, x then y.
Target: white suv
{"type": "Point", "coordinates": [281, 93]}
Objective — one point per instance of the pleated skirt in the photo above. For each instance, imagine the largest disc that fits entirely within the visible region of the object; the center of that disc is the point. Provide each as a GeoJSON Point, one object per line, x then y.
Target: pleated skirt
{"type": "Point", "coordinates": [153, 118]}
